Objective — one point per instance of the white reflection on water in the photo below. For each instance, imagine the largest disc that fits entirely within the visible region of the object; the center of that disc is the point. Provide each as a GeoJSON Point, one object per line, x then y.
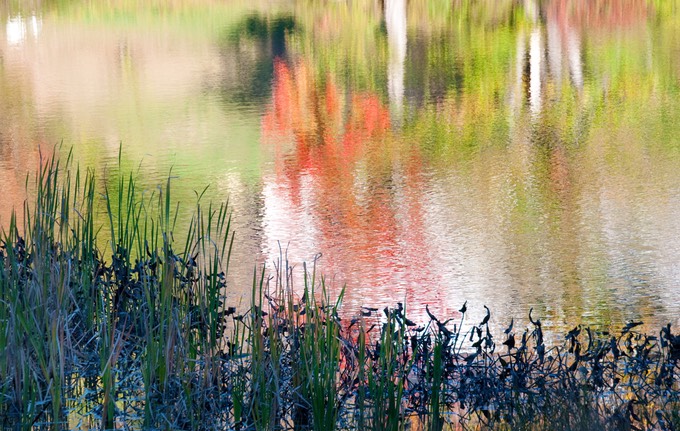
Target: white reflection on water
{"type": "Point", "coordinates": [574, 54]}
{"type": "Point", "coordinates": [395, 18]}
{"type": "Point", "coordinates": [516, 91]}
{"type": "Point", "coordinates": [535, 65]}
{"type": "Point", "coordinates": [18, 28]}
{"type": "Point", "coordinates": [564, 45]}
{"type": "Point", "coordinates": [531, 10]}
{"type": "Point", "coordinates": [554, 49]}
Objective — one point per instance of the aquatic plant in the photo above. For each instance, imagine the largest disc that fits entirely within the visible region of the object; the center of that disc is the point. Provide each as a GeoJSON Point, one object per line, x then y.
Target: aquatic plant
{"type": "Point", "coordinates": [138, 335]}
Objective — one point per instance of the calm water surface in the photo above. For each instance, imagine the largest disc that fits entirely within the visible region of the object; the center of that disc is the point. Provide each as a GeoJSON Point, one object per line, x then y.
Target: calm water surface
{"type": "Point", "coordinates": [511, 153]}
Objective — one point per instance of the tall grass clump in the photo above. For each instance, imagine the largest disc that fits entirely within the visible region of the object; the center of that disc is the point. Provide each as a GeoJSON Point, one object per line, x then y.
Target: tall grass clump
{"type": "Point", "coordinates": [319, 354]}
{"type": "Point", "coordinates": [123, 323]}
{"type": "Point", "coordinates": [46, 277]}
{"type": "Point", "coordinates": [85, 328]}
{"type": "Point", "coordinates": [385, 365]}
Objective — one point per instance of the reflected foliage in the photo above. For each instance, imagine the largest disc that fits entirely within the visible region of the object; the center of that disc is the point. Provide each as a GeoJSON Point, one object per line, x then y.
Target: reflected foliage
{"type": "Point", "coordinates": [253, 45]}
{"type": "Point", "coordinates": [448, 147]}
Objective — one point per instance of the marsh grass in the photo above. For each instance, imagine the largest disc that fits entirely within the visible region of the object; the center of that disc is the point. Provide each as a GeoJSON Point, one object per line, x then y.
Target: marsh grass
{"type": "Point", "coordinates": [136, 335]}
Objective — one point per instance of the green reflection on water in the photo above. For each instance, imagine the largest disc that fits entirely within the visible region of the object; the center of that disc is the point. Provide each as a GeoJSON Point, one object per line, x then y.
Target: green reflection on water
{"type": "Point", "coordinates": [523, 153]}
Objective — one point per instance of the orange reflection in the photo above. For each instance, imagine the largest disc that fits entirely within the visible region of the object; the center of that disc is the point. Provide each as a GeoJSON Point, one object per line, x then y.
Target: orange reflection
{"type": "Point", "coordinates": [19, 143]}
{"type": "Point", "coordinates": [15, 164]}
{"type": "Point", "coordinates": [336, 149]}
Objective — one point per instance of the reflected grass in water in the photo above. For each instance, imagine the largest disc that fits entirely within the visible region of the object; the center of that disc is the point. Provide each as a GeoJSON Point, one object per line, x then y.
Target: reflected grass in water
{"type": "Point", "coordinates": [147, 342]}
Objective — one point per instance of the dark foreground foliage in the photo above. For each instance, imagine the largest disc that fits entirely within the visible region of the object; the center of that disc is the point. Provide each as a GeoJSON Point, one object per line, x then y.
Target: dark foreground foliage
{"type": "Point", "coordinates": [140, 337]}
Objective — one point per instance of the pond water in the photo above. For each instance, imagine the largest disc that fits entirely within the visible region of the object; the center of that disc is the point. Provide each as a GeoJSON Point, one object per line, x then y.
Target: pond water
{"type": "Point", "coordinates": [511, 153]}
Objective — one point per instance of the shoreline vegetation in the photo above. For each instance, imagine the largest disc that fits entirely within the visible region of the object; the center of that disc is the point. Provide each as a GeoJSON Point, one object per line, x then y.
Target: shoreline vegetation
{"type": "Point", "coordinates": [139, 337]}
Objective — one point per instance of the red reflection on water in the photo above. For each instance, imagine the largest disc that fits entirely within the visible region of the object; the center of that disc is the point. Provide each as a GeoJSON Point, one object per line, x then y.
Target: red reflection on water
{"type": "Point", "coordinates": [336, 149]}
{"type": "Point", "coordinates": [595, 14]}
